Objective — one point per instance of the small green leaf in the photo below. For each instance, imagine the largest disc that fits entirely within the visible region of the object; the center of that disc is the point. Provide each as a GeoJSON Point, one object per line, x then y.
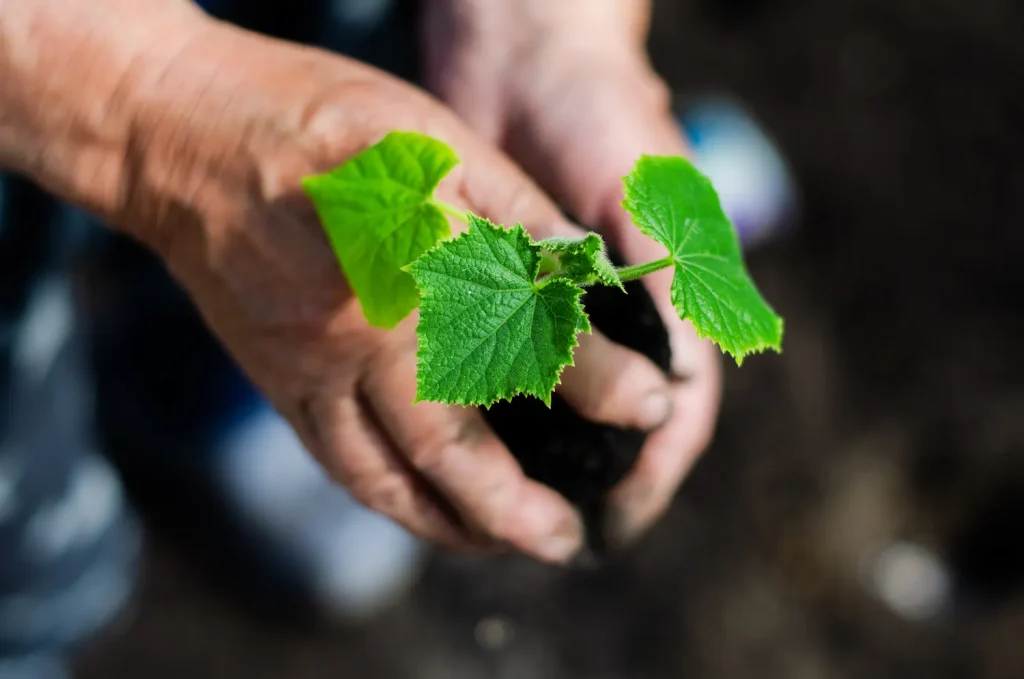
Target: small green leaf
{"type": "Point", "coordinates": [676, 205]}
{"type": "Point", "coordinates": [487, 330]}
{"type": "Point", "coordinates": [583, 260]}
{"type": "Point", "coordinates": [379, 215]}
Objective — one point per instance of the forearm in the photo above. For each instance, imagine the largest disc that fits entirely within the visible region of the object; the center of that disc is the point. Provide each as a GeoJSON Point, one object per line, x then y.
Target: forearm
{"type": "Point", "coordinates": [72, 71]}
{"type": "Point", "coordinates": [571, 20]}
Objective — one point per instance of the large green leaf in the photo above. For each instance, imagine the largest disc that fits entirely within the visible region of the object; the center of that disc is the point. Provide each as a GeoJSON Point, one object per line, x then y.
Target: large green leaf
{"type": "Point", "coordinates": [673, 203]}
{"type": "Point", "coordinates": [488, 331]}
{"type": "Point", "coordinates": [379, 215]}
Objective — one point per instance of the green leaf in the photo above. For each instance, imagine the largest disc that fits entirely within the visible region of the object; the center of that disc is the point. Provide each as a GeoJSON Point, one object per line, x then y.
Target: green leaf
{"type": "Point", "coordinates": [488, 331]}
{"type": "Point", "coordinates": [583, 260]}
{"type": "Point", "coordinates": [379, 215]}
{"type": "Point", "coordinates": [676, 205]}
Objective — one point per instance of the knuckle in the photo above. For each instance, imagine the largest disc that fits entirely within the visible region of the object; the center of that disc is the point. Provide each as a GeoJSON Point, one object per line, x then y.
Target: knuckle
{"type": "Point", "coordinates": [388, 494]}
{"type": "Point", "coordinates": [482, 488]}
{"type": "Point", "coordinates": [520, 198]}
{"type": "Point", "coordinates": [505, 526]}
{"type": "Point", "coordinates": [495, 513]}
{"type": "Point", "coordinates": [435, 457]}
{"type": "Point", "coordinates": [449, 447]}
{"type": "Point", "coordinates": [612, 393]}
{"type": "Point", "coordinates": [330, 129]}
{"type": "Point", "coordinates": [396, 349]}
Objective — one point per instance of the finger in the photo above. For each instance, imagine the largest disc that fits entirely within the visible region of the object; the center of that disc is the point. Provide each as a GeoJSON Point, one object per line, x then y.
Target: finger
{"type": "Point", "coordinates": [669, 453]}
{"type": "Point", "coordinates": [682, 337]}
{"type": "Point", "coordinates": [635, 247]}
{"type": "Point", "coordinates": [453, 448]}
{"type": "Point", "coordinates": [356, 453]}
{"type": "Point", "coordinates": [489, 184]}
{"type": "Point", "coordinates": [610, 384]}
{"type": "Point", "coordinates": [588, 178]}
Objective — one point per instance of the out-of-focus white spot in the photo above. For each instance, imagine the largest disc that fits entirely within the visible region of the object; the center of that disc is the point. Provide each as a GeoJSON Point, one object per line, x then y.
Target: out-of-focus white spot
{"type": "Point", "coordinates": [78, 519]}
{"type": "Point", "coordinates": [911, 579]}
{"type": "Point", "coordinates": [361, 13]}
{"type": "Point", "coordinates": [364, 563]}
{"type": "Point", "coordinates": [45, 329]}
{"type": "Point", "coordinates": [9, 474]}
{"type": "Point", "coordinates": [267, 469]}
{"type": "Point", "coordinates": [359, 561]}
{"type": "Point", "coordinates": [494, 632]}
{"type": "Point", "coordinates": [752, 177]}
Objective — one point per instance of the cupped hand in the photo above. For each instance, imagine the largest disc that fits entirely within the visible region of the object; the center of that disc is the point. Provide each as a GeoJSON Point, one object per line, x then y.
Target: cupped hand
{"type": "Point", "coordinates": [223, 134]}
{"type": "Point", "coordinates": [569, 93]}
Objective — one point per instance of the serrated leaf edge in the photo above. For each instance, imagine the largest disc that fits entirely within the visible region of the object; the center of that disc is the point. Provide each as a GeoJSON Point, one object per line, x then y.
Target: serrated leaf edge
{"type": "Point", "coordinates": [506, 395]}
{"type": "Point", "coordinates": [628, 185]}
{"type": "Point", "coordinates": [740, 355]}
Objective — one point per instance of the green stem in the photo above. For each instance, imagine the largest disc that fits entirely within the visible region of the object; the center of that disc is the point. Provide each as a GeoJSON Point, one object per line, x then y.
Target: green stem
{"type": "Point", "coordinates": [631, 273]}
{"type": "Point", "coordinates": [548, 263]}
{"type": "Point", "coordinates": [461, 215]}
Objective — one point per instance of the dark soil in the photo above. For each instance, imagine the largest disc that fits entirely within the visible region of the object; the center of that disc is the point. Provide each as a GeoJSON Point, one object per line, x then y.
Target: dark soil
{"type": "Point", "coordinates": [896, 412]}
{"type": "Point", "coordinates": [581, 459]}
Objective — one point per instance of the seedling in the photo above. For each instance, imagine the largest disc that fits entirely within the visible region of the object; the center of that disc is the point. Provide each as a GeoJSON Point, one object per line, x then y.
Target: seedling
{"type": "Point", "coordinates": [499, 312]}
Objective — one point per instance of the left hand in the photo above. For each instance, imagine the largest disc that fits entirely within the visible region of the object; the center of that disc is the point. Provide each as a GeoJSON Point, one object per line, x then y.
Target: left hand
{"type": "Point", "coordinates": [566, 88]}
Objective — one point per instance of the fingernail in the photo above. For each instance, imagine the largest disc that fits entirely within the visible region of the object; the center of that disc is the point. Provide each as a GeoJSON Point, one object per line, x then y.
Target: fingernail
{"type": "Point", "coordinates": [563, 544]}
{"type": "Point", "coordinates": [560, 547]}
{"type": "Point", "coordinates": [620, 530]}
{"type": "Point", "coordinates": [616, 531]}
{"type": "Point", "coordinates": [625, 518]}
{"type": "Point", "coordinates": [585, 560]}
{"type": "Point", "coordinates": [654, 410]}
{"type": "Point", "coordinates": [558, 531]}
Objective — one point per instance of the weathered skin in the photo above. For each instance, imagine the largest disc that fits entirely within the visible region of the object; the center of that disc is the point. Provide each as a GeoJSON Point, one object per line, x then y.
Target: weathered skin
{"type": "Point", "coordinates": [192, 135]}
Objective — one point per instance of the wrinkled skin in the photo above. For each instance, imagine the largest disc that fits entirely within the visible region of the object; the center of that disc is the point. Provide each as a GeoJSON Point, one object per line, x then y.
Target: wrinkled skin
{"type": "Point", "coordinates": [569, 93]}
{"type": "Point", "coordinates": [192, 136]}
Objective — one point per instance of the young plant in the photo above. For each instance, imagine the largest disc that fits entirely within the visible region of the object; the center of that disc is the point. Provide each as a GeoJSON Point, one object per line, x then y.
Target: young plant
{"type": "Point", "coordinates": [499, 312]}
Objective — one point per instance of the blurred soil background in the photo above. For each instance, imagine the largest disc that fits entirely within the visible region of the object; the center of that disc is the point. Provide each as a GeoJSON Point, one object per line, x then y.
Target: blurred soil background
{"type": "Point", "coordinates": [861, 513]}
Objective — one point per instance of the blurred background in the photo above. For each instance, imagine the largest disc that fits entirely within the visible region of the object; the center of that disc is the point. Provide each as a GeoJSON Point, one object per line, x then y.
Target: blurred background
{"type": "Point", "coordinates": [860, 512]}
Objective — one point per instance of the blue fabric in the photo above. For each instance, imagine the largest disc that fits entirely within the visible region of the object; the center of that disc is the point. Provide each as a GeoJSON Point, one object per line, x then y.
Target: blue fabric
{"type": "Point", "coordinates": [67, 544]}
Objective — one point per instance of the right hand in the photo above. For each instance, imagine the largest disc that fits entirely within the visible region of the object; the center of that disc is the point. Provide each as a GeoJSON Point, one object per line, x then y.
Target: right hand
{"type": "Point", "coordinates": [211, 181]}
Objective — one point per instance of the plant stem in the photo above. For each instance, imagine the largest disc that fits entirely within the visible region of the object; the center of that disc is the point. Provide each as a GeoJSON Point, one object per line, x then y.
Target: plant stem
{"type": "Point", "coordinates": [631, 273]}
{"type": "Point", "coordinates": [548, 263]}
{"type": "Point", "coordinates": [461, 215]}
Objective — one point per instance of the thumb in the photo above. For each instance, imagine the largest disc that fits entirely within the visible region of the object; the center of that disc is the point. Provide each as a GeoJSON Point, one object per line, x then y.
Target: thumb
{"type": "Point", "coordinates": [488, 183]}
{"type": "Point", "coordinates": [599, 195]}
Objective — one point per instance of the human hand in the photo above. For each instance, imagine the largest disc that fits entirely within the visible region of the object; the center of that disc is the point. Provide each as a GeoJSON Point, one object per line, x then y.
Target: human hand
{"type": "Point", "coordinates": [567, 89]}
{"type": "Point", "coordinates": [222, 129]}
